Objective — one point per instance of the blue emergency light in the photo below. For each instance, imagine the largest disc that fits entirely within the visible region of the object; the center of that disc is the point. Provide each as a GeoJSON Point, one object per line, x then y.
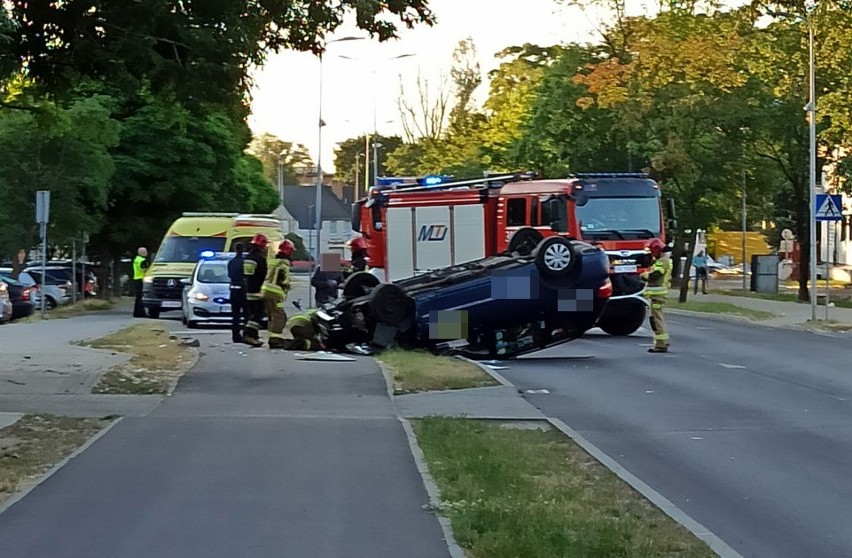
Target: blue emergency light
{"type": "Point", "coordinates": [207, 254]}
{"type": "Point", "coordinates": [432, 180]}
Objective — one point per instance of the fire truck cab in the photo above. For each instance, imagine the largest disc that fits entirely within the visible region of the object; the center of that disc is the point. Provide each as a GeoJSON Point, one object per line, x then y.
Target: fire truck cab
{"type": "Point", "coordinates": [414, 226]}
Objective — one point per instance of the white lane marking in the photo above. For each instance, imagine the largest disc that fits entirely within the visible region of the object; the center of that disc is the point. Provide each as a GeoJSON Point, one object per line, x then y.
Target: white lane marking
{"type": "Point", "coordinates": [732, 366]}
{"type": "Point", "coordinates": [537, 391]}
{"type": "Point", "coordinates": [700, 327]}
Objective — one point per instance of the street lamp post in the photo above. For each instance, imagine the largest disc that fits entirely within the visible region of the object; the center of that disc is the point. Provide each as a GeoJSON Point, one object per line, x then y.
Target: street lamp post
{"type": "Point", "coordinates": [744, 232]}
{"type": "Point", "coordinates": [320, 124]}
{"type": "Point", "coordinates": [811, 109]}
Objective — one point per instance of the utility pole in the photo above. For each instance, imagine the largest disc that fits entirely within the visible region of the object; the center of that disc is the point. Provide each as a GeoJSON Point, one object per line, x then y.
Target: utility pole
{"type": "Point", "coordinates": [811, 108]}
{"type": "Point", "coordinates": [745, 289]}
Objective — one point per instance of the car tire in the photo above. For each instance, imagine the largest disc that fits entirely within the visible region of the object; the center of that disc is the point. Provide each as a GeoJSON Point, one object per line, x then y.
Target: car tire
{"type": "Point", "coordinates": [390, 305]}
{"type": "Point", "coordinates": [49, 303]}
{"type": "Point", "coordinates": [524, 241]}
{"type": "Point", "coordinates": [621, 324]}
{"type": "Point", "coordinates": [191, 325]}
{"type": "Point", "coordinates": [153, 312]}
{"type": "Point", "coordinates": [359, 284]}
{"type": "Point", "coordinates": [555, 257]}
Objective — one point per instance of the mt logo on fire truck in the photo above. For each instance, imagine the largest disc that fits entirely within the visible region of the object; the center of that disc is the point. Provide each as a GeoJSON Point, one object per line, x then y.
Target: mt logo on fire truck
{"type": "Point", "coordinates": [432, 233]}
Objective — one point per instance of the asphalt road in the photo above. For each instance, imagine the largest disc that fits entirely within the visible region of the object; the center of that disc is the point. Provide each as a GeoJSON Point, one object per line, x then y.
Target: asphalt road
{"type": "Point", "coordinates": [256, 455]}
{"type": "Point", "coordinates": [747, 429]}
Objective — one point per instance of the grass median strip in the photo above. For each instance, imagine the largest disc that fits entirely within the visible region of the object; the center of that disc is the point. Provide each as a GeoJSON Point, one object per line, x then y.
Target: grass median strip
{"type": "Point", "coordinates": [723, 308]}
{"type": "Point", "coordinates": [159, 359]}
{"type": "Point", "coordinates": [415, 371]}
{"type": "Point", "coordinates": [34, 444]}
{"type": "Point", "coordinates": [71, 310]}
{"type": "Point", "coordinates": [534, 493]}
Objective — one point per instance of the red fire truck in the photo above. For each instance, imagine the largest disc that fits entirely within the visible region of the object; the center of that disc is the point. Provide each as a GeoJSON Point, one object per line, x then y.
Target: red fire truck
{"type": "Point", "coordinates": [416, 226]}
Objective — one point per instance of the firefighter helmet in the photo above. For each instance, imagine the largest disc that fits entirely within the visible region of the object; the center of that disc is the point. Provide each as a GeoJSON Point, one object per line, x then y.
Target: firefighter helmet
{"type": "Point", "coordinates": [260, 241]}
{"type": "Point", "coordinates": [656, 246]}
{"type": "Point", "coordinates": [286, 249]}
{"type": "Point", "coordinates": [358, 245]}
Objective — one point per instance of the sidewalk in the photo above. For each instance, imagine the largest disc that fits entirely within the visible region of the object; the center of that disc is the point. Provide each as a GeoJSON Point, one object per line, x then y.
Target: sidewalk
{"type": "Point", "coordinates": [44, 370]}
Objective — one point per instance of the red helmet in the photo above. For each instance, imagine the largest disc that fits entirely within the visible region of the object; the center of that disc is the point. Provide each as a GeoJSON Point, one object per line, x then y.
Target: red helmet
{"type": "Point", "coordinates": [286, 249]}
{"type": "Point", "coordinates": [656, 246]}
{"type": "Point", "coordinates": [358, 244]}
{"type": "Point", "coordinates": [260, 241]}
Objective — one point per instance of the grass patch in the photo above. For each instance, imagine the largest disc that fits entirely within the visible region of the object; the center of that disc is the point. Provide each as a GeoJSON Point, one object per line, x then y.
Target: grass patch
{"type": "Point", "coordinates": [779, 297]}
{"type": "Point", "coordinates": [414, 371]}
{"type": "Point", "coordinates": [723, 308]}
{"type": "Point", "coordinates": [34, 444]}
{"type": "Point", "coordinates": [158, 360]}
{"type": "Point", "coordinates": [70, 310]}
{"type": "Point", "coordinates": [532, 493]}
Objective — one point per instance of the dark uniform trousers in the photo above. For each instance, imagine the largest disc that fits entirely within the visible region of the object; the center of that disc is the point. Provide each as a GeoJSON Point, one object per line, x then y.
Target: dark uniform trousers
{"type": "Point", "coordinates": [239, 312]}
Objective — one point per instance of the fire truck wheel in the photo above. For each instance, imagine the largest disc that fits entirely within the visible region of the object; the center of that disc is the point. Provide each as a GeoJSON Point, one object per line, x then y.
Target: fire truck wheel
{"type": "Point", "coordinates": [555, 257]}
{"type": "Point", "coordinates": [359, 284]}
{"type": "Point", "coordinates": [524, 241]}
{"type": "Point", "coordinates": [389, 304]}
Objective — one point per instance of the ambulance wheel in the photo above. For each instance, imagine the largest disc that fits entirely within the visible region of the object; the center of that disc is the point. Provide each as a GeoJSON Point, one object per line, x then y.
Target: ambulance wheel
{"type": "Point", "coordinates": [555, 257]}
{"type": "Point", "coordinates": [524, 241]}
{"type": "Point", "coordinates": [359, 284]}
{"type": "Point", "coordinates": [390, 305]}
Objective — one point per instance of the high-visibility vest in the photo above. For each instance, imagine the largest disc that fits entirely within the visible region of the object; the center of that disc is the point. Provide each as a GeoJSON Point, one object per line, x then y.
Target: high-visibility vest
{"type": "Point", "coordinates": [277, 282]}
{"type": "Point", "coordinates": [138, 269]}
{"type": "Point", "coordinates": [661, 288]}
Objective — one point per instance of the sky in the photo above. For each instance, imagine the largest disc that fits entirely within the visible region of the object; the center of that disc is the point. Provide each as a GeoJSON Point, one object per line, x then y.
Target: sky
{"type": "Point", "coordinates": [286, 99]}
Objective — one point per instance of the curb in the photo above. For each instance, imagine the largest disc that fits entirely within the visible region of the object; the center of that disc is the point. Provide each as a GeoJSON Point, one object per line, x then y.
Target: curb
{"type": "Point", "coordinates": [700, 531]}
{"type": "Point", "coordinates": [432, 489]}
{"type": "Point", "coordinates": [53, 470]}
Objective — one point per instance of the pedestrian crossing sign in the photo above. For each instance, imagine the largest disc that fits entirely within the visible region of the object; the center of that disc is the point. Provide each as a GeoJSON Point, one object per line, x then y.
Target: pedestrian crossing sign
{"type": "Point", "coordinates": [828, 208]}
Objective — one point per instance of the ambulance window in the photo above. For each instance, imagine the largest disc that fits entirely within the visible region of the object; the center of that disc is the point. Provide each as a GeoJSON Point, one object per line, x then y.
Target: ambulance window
{"type": "Point", "coordinates": [516, 212]}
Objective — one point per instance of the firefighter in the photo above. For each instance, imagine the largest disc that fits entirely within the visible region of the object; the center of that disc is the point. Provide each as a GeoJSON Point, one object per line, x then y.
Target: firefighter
{"type": "Point", "coordinates": [274, 293]}
{"type": "Point", "coordinates": [305, 333]}
{"type": "Point", "coordinates": [358, 247]}
{"type": "Point", "coordinates": [254, 269]}
{"type": "Point", "coordinates": [656, 290]}
{"type": "Point", "coordinates": [237, 287]}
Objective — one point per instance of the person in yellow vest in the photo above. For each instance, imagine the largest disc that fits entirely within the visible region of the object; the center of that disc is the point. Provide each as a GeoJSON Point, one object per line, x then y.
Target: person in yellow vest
{"type": "Point", "coordinates": [140, 264]}
{"type": "Point", "coordinates": [274, 293]}
{"type": "Point", "coordinates": [657, 280]}
{"type": "Point", "coordinates": [304, 331]}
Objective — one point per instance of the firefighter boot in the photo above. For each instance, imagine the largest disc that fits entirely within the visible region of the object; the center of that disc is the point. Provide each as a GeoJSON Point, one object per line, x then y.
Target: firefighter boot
{"type": "Point", "coordinates": [277, 343]}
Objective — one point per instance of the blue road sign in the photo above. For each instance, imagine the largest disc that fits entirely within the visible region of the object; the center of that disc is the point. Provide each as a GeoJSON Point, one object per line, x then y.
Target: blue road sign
{"type": "Point", "coordinates": [829, 208]}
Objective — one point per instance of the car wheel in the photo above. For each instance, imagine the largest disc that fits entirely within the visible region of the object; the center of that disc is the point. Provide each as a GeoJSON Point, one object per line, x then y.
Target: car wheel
{"type": "Point", "coordinates": [555, 257]}
{"type": "Point", "coordinates": [191, 325]}
{"type": "Point", "coordinates": [389, 304]}
{"type": "Point", "coordinates": [153, 312]}
{"type": "Point", "coordinates": [50, 303]}
{"type": "Point", "coordinates": [359, 284]}
{"type": "Point", "coordinates": [524, 241]}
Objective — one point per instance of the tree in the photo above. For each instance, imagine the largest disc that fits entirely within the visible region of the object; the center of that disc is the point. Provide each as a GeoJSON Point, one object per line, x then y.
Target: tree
{"type": "Point", "coordinates": [349, 157]}
{"type": "Point", "coordinates": [271, 149]}
{"type": "Point", "coordinates": [65, 151]}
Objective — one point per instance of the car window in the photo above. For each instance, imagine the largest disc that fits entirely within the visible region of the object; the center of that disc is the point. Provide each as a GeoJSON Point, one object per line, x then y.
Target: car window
{"type": "Point", "coordinates": [213, 273]}
{"type": "Point", "coordinates": [516, 212]}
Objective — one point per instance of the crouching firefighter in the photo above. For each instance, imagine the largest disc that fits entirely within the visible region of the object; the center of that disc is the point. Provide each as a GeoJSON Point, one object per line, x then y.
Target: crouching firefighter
{"type": "Point", "coordinates": [254, 270]}
{"type": "Point", "coordinates": [656, 290]}
{"type": "Point", "coordinates": [303, 328]}
{"type": "Point", "coordinates": [274, 293]}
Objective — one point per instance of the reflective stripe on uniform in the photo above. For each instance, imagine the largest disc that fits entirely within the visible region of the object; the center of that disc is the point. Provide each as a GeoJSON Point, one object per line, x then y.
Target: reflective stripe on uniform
{"type": "Point", "coordinates": [249, 266]}
{"type": "Point", "coordinates": [272, 289]}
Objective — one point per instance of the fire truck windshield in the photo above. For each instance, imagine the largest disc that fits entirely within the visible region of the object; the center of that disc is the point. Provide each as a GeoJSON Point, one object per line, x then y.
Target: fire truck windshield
{"type": "Point", "coordinates": [619, 218]}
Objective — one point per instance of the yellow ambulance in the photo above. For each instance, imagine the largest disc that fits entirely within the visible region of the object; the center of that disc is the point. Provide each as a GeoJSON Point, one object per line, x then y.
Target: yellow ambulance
{"type": "Point", "coordinates": [192, 236]}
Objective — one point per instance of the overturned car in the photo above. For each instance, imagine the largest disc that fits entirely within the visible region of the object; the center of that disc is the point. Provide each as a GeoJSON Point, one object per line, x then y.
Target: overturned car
{"type": "Point", "coordinates": [499, 306]}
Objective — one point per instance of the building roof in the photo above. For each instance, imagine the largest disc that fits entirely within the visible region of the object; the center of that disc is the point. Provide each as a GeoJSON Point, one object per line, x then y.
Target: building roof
{"type": "Point", "coordinates": [300, 201]}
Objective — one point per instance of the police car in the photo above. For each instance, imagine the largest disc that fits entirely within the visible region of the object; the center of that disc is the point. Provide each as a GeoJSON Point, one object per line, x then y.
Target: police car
{"type": "Point", "coordinates": [206, 293]}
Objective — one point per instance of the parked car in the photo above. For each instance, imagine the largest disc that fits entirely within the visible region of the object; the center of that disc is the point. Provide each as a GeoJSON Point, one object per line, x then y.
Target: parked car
{"type": "Point", "coordinates": [56, 290]}
{"type": "Point", "coordinates": [499, 306]}
{"type": "Point", "coordinates": [62, 270]}
{"type": "Point", "coordinates": [20, 296]}
{"type": "Point", "coordinates": [206, 294]}
{"type": "Point", "coordinates": [5, 303]}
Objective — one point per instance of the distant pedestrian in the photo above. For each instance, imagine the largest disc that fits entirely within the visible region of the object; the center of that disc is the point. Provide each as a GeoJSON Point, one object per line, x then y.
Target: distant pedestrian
{"type": "Point", "coordinates": [140, 264]}
{"type": "Point", "coordinates": [237, 279]}
{"type": "Point", "coordinates": [19, 264]}
{"type": "Point", "coordinates": [657, 290]}
{"type": "Point", "coordinates": [700, 263]}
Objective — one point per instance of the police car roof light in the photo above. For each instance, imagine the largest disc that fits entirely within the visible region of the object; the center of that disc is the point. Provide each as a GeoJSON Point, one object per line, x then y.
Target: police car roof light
{"type": "Point", "coordinates": [207, 254]}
